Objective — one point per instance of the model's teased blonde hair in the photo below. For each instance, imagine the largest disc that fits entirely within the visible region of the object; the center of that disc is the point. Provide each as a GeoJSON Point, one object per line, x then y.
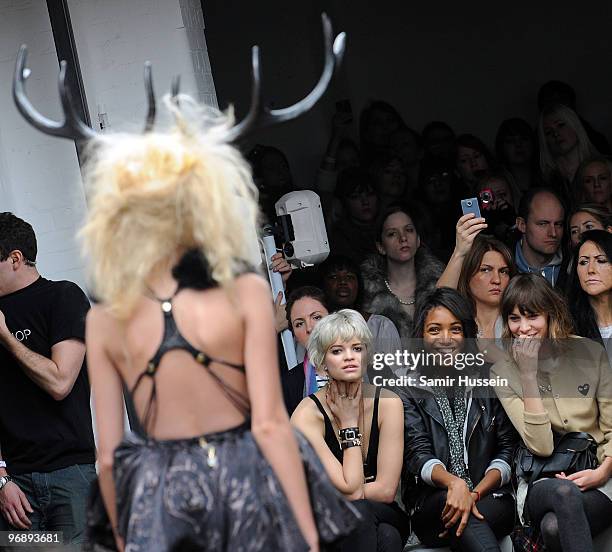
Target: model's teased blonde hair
{"type": "Point", "coordinates": [151, 195]}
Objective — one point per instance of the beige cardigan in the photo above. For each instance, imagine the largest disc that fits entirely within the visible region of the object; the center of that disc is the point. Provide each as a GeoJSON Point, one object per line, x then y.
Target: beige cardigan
{"type": "Point", "coordinates": [577, 396]}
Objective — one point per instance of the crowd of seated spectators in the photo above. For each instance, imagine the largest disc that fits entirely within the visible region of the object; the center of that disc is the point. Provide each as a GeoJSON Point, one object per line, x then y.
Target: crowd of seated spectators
{"type": "Point", "coordinates": [411, 267]}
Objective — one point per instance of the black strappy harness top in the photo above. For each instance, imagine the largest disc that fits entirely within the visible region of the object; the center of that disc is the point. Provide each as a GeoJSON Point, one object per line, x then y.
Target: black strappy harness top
{"type": "Point", "coordinates": [173, 339]}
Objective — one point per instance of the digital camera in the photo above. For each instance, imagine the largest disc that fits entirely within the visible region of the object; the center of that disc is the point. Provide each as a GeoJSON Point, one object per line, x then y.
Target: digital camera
{"type": "Point", "coordinates": [487, 199]}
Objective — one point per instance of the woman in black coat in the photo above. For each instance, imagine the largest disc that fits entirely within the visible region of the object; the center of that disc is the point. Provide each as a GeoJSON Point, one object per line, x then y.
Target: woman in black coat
{"type": "Point", "coordinates": [459, 442]}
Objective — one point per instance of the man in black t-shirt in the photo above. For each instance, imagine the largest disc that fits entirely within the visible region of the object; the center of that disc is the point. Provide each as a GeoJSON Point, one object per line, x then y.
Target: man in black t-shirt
{"type": "Point", "coordinates": [46, 438]}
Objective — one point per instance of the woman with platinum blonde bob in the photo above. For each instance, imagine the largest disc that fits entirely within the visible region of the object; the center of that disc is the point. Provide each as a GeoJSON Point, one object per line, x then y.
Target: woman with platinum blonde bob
{"type": "Point", "coordinates": [187, 330]}
{"type": "Point", "coordinates": [357, 431]}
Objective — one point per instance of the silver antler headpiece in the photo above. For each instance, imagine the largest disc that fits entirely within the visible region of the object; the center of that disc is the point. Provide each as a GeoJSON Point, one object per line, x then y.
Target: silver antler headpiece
{"type": "Point", "coordinates": [259, 115]}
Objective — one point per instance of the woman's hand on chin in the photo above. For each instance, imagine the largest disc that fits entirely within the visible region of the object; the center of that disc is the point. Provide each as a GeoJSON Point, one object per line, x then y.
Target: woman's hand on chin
{"type": "Point", "coordinates": [343, 400]}
{"type": "Point", "coordinates": [525, 351]}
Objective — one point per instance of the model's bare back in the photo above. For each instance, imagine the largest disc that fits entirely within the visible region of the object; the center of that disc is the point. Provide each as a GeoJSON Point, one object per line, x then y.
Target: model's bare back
{"type": "Point", "coordinates": [189, 401]}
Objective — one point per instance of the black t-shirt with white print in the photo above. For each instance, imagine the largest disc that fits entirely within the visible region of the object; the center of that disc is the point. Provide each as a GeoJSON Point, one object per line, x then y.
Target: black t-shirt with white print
{"type": "Point", "coordinates": [38, 433]}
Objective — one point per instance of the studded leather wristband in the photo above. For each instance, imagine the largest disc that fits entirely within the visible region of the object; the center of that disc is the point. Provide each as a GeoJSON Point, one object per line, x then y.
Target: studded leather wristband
{"type": "Point", "coordinates": [349, 433]}
{"type": "Point", "coordinates": [348, 443]}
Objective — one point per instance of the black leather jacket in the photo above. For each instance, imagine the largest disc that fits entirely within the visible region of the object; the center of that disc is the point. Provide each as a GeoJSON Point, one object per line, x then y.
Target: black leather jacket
{"type": "Point", "coordinates": [490, 435]}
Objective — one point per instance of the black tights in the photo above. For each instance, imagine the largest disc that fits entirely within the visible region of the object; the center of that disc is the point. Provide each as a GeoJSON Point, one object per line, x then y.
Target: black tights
{"type": "Point", "coordinates": [568, 518]}
{"type": "Point", "coordinates": [478, 536]}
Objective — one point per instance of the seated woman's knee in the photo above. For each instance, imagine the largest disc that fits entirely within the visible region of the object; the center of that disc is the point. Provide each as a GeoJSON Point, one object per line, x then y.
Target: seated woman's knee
{"type": "Point", "coordinates": [565, 490]}
{"type": "Point", "coordinates": [389, 538]}
{"type": "Point", "coordinates": [549, 527]}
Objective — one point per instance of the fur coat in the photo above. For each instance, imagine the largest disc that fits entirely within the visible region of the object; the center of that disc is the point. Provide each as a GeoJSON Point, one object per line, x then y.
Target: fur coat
{"type": "Point", "coordinates": [378, 299]}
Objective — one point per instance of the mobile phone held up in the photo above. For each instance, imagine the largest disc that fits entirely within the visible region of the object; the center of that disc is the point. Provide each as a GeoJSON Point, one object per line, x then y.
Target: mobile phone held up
{"type": "Point", "coordinates": [471, 206]}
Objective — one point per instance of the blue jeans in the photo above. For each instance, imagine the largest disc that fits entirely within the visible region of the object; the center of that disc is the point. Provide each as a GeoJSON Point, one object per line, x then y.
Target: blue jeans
{"type": "Point", "coordinates": [59, 500]}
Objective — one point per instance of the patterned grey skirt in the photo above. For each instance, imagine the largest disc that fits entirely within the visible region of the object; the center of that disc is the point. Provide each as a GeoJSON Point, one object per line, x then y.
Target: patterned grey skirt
{"type": "Point", "coordinates": [218, 492]}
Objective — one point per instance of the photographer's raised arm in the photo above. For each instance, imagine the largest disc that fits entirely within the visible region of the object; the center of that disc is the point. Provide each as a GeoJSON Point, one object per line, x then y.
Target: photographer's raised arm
{"type": "Point", "coordinates": [468, 227]}
{"type": "Point", "coordinates": [341, 121]}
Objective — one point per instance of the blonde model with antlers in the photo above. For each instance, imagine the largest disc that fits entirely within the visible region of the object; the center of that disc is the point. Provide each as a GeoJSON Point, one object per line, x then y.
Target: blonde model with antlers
{"type": "Point", "coordinates": [187, 331]}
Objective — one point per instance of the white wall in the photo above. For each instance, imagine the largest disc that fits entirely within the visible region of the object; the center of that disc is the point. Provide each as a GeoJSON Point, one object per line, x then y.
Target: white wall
{"type": "Point", "coordinates": [115, 37]}
{"type": "Point", "coordinates": [39, 175]}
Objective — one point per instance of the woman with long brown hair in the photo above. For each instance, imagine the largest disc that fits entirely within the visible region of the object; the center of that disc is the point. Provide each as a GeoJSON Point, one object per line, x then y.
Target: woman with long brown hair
{"type": "Point", "coordinates": [590, 289]}
{"type": "Point", "coordinates": [557, 383]}
{"type": "Point", "coordinates": [403, 270]}
{"type": "Point", "coordinates": [480, 269]}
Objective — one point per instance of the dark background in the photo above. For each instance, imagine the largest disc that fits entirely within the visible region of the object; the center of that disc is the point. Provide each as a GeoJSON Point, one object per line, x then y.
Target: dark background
{"type": "Point", "coordinates": [470, 64]}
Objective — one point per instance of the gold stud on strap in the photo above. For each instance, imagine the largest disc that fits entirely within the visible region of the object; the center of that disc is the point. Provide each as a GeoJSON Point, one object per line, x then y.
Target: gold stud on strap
{"type": "Point", "coordinates": [212, 457]}
{"type": "Point", "coordinates": [150, 368]}
{"type": "Point", "coordinates": [211, 453]}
